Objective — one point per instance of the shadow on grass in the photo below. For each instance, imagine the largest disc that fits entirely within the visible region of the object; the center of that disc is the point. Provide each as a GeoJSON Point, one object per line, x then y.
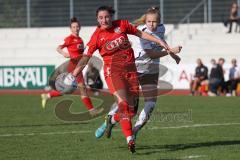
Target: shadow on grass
{"type": "Point", "coordinates": [152, 149]}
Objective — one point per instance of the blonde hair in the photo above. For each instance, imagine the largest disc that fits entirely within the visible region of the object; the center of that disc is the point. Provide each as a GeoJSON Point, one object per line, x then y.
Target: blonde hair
{"type": "Point", "coordinates": [142, 19]}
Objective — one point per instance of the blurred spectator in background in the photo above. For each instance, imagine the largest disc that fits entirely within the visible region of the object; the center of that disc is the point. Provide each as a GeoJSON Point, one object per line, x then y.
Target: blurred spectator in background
{"type": "Point", "coordinates": [233, 17]}
{"type": "Point", "coordinates": [216, 79]}
{"type": "Point", "coordinates": [201, 74]}
{"type": "Point", "coordinates": [93, 78]}
{"type": "Point", "coordinates": [234, 78]}
{"type": "Point", "coordinates": [213, 63]}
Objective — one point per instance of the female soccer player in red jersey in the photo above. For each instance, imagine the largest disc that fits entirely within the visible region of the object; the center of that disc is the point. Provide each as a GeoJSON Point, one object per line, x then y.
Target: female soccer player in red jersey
{"type": "Point", "coordinates": [110, 38]}
{"type": "Point", "coordinates": [147, 61]}
{"type": "Point", "coordinates": [75, 47]}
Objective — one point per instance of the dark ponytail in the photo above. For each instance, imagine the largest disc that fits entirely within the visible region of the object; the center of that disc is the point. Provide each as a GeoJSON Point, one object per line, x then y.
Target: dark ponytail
{"type": "Point", "coordinates": [110, 10]}
{"type": "Point", "coordinates": [74, 20]}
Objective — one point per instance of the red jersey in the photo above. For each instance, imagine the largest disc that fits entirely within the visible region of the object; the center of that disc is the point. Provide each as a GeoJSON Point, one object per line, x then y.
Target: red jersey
{"type": "Point", "coordinates": [74, 46]}
{"type": "Point", "coordinates": [113, 43]}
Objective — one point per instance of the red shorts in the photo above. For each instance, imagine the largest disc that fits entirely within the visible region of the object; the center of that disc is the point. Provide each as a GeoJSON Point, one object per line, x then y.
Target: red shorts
{"type": "Point", "coordinates": [72, 65]}
{"type": "Point", "coordinates": [122, 79]}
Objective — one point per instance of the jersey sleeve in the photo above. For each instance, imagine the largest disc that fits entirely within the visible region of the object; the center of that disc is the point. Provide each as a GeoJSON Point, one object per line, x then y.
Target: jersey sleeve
{"type": "Point", "coordinates": [145, 44]}
{"type": "Point", "coordinates": [91, 46]}
{"type": "Point", "coordinates": [65, 43]}
{"type": "Point", "coordinates": [237, 73]}
{"type": "Point", "coordinates": [129, 28]}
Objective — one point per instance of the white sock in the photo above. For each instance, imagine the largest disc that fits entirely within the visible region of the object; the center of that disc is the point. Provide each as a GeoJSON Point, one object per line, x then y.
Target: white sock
{"type": "Point", "coordinates": [145, 113]}
{"type": "Point", "coordinates": [113, 120]}
{"type": "Point", "coordinates": [91, 109]}
{"type": "Point", "coordinates": [129, 138]}
{"type": "Point", "coordinates": [113, 109]}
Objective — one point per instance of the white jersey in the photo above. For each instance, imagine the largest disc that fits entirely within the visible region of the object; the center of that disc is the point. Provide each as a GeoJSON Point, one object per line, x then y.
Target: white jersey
{"type": "Point", "coordinates": [143, 62]}
{"type": "Point", "coordinates": [237, 73]}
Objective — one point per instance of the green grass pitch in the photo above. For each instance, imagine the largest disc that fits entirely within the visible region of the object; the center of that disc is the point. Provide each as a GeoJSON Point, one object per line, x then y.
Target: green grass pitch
{"type": "Point", "coordinates": [182, 127]}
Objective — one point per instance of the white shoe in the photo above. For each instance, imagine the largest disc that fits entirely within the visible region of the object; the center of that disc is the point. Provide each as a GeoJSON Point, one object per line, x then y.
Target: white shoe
{"type": "Point", "coordinates": [234, 93]}
{"type": "Point", "coordinates": [211, 94]}
{"type": "Point", "coordinates": [44, 100]}
{"type": "Point", "coordinates": [228, 95]}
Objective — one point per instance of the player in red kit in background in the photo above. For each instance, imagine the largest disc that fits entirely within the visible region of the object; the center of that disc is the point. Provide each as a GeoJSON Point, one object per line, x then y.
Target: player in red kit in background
{"type": "Point", "coordinates": [110, 38]}
{"type": "Point", "coordinates": [75, 47]}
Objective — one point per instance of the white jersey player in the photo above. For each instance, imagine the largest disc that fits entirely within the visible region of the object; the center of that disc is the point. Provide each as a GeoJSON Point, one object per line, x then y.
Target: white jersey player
{"type": "Point", "coordinates": [144, 63]}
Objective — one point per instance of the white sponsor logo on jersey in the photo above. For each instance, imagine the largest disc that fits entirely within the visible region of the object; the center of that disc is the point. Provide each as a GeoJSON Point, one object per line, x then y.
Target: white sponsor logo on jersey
{"type": "Point", "coordinates": [120, 43]}
{"type": "Point", "coordinates": [117, 30]}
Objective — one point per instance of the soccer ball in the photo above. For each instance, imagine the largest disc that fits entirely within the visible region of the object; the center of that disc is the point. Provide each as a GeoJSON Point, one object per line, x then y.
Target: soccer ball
{"type": "Point", "coordinates": [62, 87]}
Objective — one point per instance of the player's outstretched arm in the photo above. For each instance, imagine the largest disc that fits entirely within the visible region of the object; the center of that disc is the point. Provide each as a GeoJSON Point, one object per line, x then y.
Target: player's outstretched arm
{"type": "Point", "coordinates": [176, 50]}
{"type": "Point", "coordinates": [158, 54]}
{"type": "Point", "coordinates": [151, 38]}
{"type": "Point", "coordinates": [62, 52]}
{"type": "Point", "coordinates": [172, 52]}
{"type": "Point", "coordinates": [162, 43]}
{"type": "Point", "coordinates": [81, 65]}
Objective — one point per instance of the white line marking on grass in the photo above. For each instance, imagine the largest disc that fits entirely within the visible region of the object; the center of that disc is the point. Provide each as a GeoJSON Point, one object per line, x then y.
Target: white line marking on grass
{"type": "Point", "coordinates": [196, 126]}
{"type": "Point", "coordinates": [118, 130]}
{"type": "Point", "coordinates": [44, 133]}
{"type": "Point", "coordinates": [194, 156]}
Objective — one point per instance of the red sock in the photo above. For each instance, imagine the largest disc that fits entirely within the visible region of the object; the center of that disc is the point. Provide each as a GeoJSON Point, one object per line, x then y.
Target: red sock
{"type": "Point", "coordinates": [87, 102]}
{"type": "Point", "coordinates": [126, 127]}
{"type": "Point", "coordinates": [125, 118]}
{"type": "Point", "coordinates": [203, 88]}
{"type": "Point", "coordinates": [54, 93]}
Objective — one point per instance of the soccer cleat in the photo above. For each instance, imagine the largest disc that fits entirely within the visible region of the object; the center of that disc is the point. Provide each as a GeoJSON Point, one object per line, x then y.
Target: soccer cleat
{"type": "Point", "coordinates": [131, 146]}
{"type": "Point", "coordinates": [44, 100]}
{"type": "Point", "coordinates": [101, 130]}
{"type": "Point", "coordinates": [109, 126]}
{"type": "Point", "coordinates": [94, 112]}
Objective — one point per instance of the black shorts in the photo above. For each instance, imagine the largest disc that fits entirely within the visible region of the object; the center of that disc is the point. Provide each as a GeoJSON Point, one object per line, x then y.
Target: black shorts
{"type": "Point", "coordinates": [148, 78]}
